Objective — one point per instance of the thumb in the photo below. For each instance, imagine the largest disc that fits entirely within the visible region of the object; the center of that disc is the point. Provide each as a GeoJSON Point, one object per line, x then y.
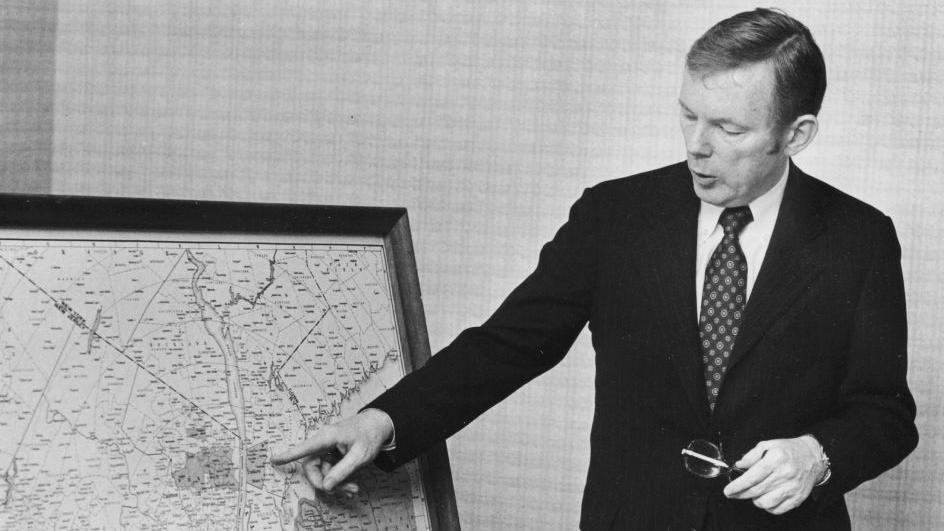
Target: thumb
{"type": "Point", "coordinates": [355, 458]}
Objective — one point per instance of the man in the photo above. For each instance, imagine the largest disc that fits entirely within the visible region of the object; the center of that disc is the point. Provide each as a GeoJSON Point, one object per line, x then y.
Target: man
{"type": "Point", "coordinates": [732, 299]}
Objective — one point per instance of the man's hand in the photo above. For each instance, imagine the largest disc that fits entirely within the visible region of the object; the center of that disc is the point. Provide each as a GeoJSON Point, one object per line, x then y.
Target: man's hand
{"type": "Point", "coordinates": [358, 439]}
{"type": "Point", "coordinates": [780, 473]}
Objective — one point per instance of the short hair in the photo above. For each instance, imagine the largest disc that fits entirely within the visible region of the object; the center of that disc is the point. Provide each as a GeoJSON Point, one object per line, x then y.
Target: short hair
{"type": "Point", "coordinates": [773, 36]}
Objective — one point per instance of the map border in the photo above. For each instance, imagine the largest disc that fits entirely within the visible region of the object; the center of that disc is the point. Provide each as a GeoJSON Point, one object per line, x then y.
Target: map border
{"type": "Point", "coordinates": [131, 219]}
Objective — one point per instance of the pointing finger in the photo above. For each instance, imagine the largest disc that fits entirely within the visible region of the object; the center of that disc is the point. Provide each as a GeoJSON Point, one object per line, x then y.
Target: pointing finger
{"type": "Point", "coordinates": [317, 444]}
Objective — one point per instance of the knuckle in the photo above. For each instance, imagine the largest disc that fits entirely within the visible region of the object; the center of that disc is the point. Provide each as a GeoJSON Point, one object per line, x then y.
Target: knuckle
{"type": "Point", "coordinates": [777, 454]}
{"type": "Point", "coordinates": [358, 453]}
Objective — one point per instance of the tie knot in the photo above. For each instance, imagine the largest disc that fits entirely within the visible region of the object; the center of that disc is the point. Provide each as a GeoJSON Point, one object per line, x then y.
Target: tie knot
{"type": "Point", "coordinates": [733, 220]}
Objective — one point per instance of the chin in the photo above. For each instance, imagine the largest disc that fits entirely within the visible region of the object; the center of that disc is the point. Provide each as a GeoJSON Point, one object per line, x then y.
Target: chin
{"type": "Point", "coordinates": [712, 195]}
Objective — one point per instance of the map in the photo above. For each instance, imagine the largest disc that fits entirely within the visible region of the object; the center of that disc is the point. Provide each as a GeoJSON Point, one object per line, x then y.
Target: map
{"type": "Point", "coordinates": [144, 384]}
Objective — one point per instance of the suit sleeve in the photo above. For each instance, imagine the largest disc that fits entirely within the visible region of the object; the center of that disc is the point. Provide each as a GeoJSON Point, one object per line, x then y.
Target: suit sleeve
{"type": "Point", "coordinates": [873, 427]}
{"type": "Point", "coordinates": [528, 334]}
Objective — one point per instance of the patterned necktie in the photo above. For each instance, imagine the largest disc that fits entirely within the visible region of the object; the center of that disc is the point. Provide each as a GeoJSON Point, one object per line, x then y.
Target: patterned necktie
{"type": "Point", "coordinates": [723, 299]}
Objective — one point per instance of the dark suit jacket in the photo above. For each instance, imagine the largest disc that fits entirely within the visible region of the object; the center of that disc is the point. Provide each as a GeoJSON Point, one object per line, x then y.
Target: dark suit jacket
{"type": "Point", "coordinates": [822, 351]}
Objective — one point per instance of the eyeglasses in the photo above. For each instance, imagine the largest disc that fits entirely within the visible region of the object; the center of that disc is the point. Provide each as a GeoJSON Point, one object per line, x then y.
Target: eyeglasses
{"type": "Point", "coordinates": [705, 460]}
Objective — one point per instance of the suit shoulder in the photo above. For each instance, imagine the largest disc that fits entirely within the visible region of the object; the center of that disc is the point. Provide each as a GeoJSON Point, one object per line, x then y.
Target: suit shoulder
{"type": "Point", "coordinates": [653, 184]}
{"type": "Point", "coordinates": [851, 225]}
{"type": "Point", "coordinates": [841, 206]}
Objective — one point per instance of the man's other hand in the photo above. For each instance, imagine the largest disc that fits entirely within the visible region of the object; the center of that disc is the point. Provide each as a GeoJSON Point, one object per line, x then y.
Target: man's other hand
{"type": "Point", "coordinates": [780, 473]}
{"type": "Point", "coordinates": [358, 439]}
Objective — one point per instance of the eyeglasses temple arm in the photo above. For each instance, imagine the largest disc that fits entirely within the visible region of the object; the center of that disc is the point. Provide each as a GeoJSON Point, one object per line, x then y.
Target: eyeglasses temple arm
{"type": "Point", "coordinates": [705, 458]}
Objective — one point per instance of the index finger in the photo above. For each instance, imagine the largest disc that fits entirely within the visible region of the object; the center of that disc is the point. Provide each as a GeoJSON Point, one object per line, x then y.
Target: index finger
{"type": "Point", "coordinates": [754, 475]}
{"type": "Point", "coordinates": [317, 444]}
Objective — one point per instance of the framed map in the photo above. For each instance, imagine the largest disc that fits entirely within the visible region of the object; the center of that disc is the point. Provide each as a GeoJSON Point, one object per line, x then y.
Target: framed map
{"type": "Point", "coordinates": [155, 353]}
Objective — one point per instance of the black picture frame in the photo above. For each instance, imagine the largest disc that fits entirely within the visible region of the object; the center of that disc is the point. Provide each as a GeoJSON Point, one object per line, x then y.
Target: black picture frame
{"type": "Point", "coordinates": [390, 224]}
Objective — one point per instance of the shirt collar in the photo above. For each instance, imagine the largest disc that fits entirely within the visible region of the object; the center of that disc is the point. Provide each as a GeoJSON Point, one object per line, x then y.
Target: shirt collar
{"type": "Point", "coordinates": [764, 209]}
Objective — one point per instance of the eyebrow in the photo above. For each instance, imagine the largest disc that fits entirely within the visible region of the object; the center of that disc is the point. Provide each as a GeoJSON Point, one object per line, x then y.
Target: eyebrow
{"type": "Point", "coordinates": [725, 121]}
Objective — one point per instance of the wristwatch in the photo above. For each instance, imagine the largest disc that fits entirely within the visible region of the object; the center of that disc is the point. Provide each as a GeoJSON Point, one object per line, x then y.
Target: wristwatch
{"type": "Point", "coordinates": [826, 464]}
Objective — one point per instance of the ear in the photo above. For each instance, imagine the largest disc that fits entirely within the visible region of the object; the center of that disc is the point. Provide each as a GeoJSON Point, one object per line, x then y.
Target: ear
{"type": "Point", "coordinates": [799, 134]}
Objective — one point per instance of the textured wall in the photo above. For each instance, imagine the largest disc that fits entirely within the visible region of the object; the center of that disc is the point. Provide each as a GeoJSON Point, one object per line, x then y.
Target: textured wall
{"type": "Point", "coordinates": [27, 62]}
{"type": "Point", "coordinates": [486, 120]}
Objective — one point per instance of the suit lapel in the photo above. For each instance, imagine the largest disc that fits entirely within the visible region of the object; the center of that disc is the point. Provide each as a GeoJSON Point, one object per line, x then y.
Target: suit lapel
{"type": "Point", "coordinates": [788, 267]}
{"type": "Point", "coordinates": [668, 272]}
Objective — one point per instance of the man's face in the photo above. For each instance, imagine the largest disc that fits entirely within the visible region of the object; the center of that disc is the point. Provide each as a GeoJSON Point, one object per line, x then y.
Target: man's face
{"type": "Point", "coordinates": [735, 149]}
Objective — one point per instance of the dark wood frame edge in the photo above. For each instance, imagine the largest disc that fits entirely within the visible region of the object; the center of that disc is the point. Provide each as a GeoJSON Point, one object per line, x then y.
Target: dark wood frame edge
{"type": "Point", "coordinates": [434, 464]}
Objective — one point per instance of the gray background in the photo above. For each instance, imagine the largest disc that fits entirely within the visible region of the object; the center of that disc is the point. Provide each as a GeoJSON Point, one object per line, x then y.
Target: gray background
{"type": "Point", "coordinates": [486, 120]}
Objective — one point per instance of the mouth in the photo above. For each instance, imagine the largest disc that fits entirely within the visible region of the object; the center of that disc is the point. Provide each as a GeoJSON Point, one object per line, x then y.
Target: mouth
{"type": "Point", "coordinates": [703, 178]}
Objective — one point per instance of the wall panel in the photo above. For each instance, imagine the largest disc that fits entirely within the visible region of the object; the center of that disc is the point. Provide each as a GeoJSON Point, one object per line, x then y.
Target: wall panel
{"type": "Point", "coordinates": [486, 120]}
{"type": "Point", "coordinates": [27, 81]}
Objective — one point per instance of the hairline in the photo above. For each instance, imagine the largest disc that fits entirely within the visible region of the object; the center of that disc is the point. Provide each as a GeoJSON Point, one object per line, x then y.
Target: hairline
{"type": "Point", "coordinates": [709, 55]}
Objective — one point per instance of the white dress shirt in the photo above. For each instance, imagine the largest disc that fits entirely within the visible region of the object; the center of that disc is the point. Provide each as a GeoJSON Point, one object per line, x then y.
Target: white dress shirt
{"type": "Point", "coordinates": [754, 238]}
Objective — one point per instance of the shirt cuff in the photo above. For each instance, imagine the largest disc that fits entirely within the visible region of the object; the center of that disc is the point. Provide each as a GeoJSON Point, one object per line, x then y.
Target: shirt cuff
{"type": "Point", "coordinates": [391, 444]}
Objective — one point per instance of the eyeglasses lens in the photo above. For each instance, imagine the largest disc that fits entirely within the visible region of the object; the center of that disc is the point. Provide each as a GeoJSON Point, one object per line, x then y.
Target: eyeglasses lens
{"type": "Point", "coordinates": [701, 467]}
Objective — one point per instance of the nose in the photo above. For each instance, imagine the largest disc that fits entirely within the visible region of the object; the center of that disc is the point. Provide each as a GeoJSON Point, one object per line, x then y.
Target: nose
{"type": "Point", "coordinates": [697, 142]}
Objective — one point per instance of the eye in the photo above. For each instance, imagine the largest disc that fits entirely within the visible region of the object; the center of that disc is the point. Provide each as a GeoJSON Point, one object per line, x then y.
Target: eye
{"type": "Point", "coordinates": [731, 132]}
